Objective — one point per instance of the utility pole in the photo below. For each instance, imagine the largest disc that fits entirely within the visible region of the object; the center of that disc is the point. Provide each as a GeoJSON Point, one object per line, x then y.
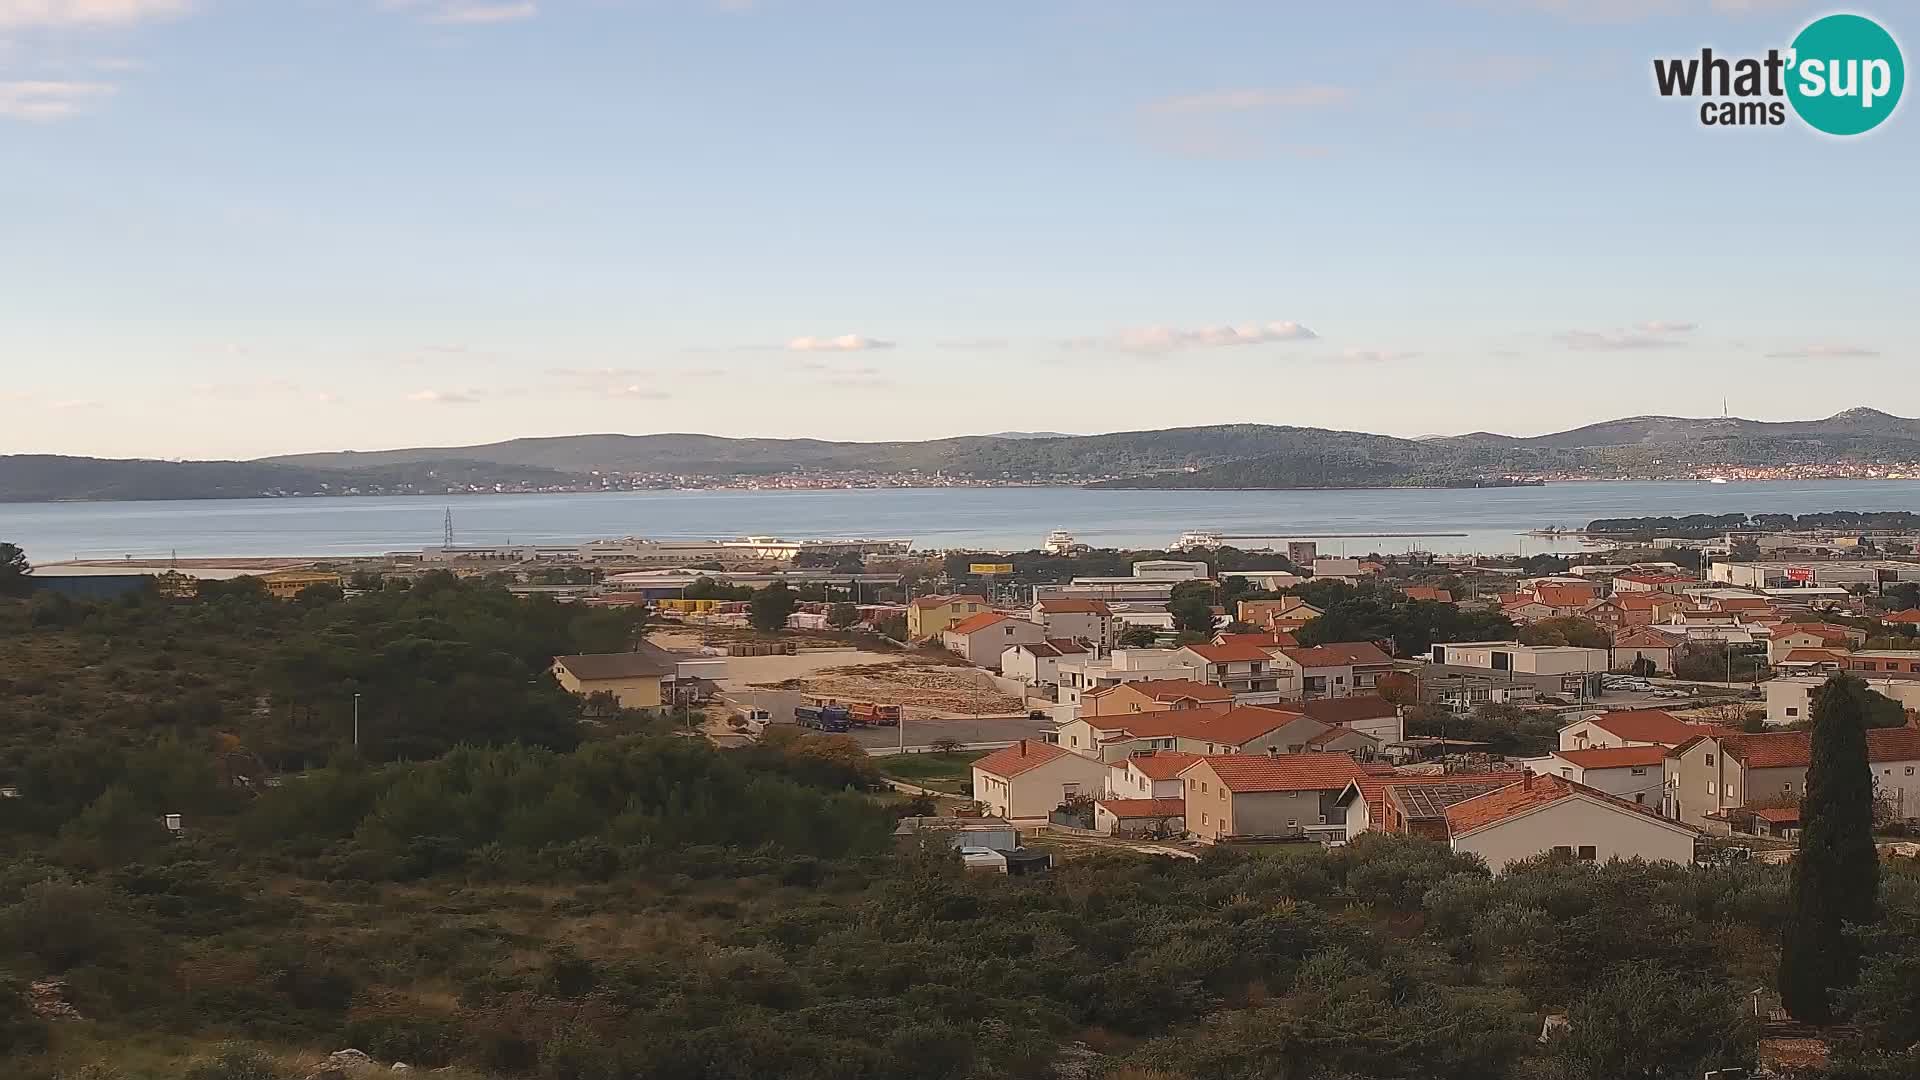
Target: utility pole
{"type": "Point", "coordinates": [356, 720]}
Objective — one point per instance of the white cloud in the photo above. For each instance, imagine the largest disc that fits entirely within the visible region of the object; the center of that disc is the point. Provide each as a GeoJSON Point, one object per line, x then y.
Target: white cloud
{"type": "Point", "coordinates": [975, 344]}
{"type": "Point", "coordinates": [843, 343]}
{"type": "Point", "coordinates": [445, 397]}
{"type": "Point", "coordinates": [1827, 351]}
{"type": "Point", "coordinates": [1647, 335]}
{"type": "Point", "coordinates": [467, 12]}
{"type": "Point", "coordinates": [87, 13]}
{"type": "Point", "coordinates": [1251, 98]}
{"type": "Point", "coordinates": [1154, 339]}
{"type": "Point", "coordinates": [50, 100]}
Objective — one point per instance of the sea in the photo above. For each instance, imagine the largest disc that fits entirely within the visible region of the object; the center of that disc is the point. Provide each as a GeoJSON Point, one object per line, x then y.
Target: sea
{"type": "Point", "coordinates": [1488, 520]}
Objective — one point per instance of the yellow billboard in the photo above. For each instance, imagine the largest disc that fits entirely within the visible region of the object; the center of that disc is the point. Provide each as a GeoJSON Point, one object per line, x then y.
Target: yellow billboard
{"type": "Point", "coordinates": [991, 568]}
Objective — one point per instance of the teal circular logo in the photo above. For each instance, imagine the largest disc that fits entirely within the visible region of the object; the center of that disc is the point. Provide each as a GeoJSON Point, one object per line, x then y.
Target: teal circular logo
{"type": "Point", "coordinates": [1845, 75]}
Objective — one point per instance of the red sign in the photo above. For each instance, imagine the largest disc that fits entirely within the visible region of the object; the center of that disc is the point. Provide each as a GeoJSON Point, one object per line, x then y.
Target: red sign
{"type": "Point", "coordinates": [1799, 573]}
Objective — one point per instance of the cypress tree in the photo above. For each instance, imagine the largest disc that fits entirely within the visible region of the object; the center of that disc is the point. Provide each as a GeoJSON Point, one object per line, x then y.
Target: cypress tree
{"type": "Point", "coordinates": [1836, 876]}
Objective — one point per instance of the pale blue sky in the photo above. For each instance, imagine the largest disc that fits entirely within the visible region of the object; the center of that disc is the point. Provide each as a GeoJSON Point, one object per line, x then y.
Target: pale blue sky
{"type": "Point", "coordinates": [242, 227]}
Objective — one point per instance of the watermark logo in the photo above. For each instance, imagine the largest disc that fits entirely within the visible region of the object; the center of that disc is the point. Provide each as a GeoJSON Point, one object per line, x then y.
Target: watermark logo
{"type": "Point", "coordinates": [1842, 75]}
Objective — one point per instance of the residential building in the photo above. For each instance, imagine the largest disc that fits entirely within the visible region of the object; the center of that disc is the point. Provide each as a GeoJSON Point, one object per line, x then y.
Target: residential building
{"type": "Point", "coordinates": [1369, 714]}
{"type": "Point", "coordinates": [1909, 617]}
{"type": "Point", "coordinates": [984, 638]}
{"type": "Point", "coordinates": [1038, 663]}
{"type": "Point", "coordinates": [1413, 804]}
{"type": "Point", "coordinates": [1885, 661]}
{"type": "Point", "coordinates": [1523, 659]}
{"type": "Point", "coordinates": [1632, 646]}
{"type": "Point", "coordinates": [1086, 674]}
{"type": "Point", "coordinates": [929, 616]}
{"type": "Point", "coordinates": [1336, 569]}
{"type": "Point", "coordinates": [637, 680]}
{"type": "Point", "coordinates": [1286, 614]}
{"type": "Point", "coordinates": [1206, 730]}
{"type": "Point", "coordinates": [1243, 669]}
{"type": "Point", "coordinates": [1634, 773]}
{"type": "Point", "coordinates": [1543, 814]}
{"type": "Point", "coordinates": [1154, 695]}
{"type": "Point", "coordinates": [1149, 774]}
{"type": "Point", "coordinates": [1071, 619]}
{"type": "Point", "coordinates": [1527, 611]}
{"type": "Point", "coordinates": [1790, 697]}
{"type": "Point", "coordinates": [1259, 796]}
{"type": "Point", "coordinates": [1427, 592]}
{"type": "Point", "coordinates": [1630, 727]}
{"type": "Point", "coordinates": [1140, 818]}
{"type": "Point", "coordinates": [1714, 773]}
{"type": "Point", "coordinates": [1608, 614]}
{"type": "Point", "coordinates": [1302, 552]}
{"type": "Point", "coordinates": [1337, 669]}
{"type": "Point", "coordinates": [1667, 583]}
{"type": "Point", "coordinates": [1030, 779]}
{"type": "Point", "coordinates": [1265, 639]}
{"type": "Point", "coordinates": [1641, 608]}
{"type": "Point", "coordinates": [1788, 637]}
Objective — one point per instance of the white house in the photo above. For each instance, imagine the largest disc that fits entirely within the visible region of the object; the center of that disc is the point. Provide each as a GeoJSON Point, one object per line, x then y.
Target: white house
{"type": "Point", "coordinates": [1336, 569]}
{"type": "Point", "coordinates": [1629, 727]}
{"type": "Point", "coordinates": [1029, 779]}
{"type": "Point", "coordinates": [1071, 619]}
{"type": "Point", "coordinates": [1790, 699]}
{"type": "Point", "coordinates": [1038, 663]}
{"type": "Point", "coordinates": [1081, 675]}
{"type": "Point", "coordinates": [1522, 659]}
{"type": "Point", "coordinates": [1333, 670]}
{"type": "Point", "coordinates": [1553, 814]}
{"type": "Point", "coordinates": [1149, 774]}
{"type": "Point", "coordinates": [985, 637]}
{"type": "Point", "coordinates": [1634, 773]}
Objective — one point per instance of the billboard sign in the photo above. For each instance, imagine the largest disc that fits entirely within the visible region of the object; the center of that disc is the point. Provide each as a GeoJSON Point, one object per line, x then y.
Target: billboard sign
{"type": "Point", "coordinates": [1801, 574]}
{"type": "Point", "coordinates": [991, 568]}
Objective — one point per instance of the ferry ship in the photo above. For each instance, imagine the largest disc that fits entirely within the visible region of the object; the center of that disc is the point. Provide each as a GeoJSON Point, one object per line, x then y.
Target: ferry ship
{"type": "Point", "coordinates": [1190, 540]}
{"type": "Point", "coordinates": [1059, 542]}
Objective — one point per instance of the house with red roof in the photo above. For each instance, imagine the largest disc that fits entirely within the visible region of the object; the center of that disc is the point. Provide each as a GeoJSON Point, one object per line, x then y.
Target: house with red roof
{"type": "Point", "coordinates": [1333, 670]}
{"type": "Point", "coordinates": [982, 639]}
{"type": "Point", "coordinates": [1370, 714]}
{"type": "Point", "coordinates": [1067, 618]}
{"type": "Point", "coordinates": [1268, 639]}
{"type": "Point", "coordinates": [929, 616]}
{"type": "Point", "coordinates": [1233, 730]}
{"type": "Point", "coordinates": [1140, 818]}
{"type": "Point", "coordinates": [1788, 637]}
{"type": "Point", "coordinates": [1242, 669]}
{"type": "Point", "coordinates": [1153, 695]}
{"type": "Point", "coordinates": [1542, 814]}
{"type": "Point", "coordinates": [1909, 617]}
{"type": "Point", "coordinates": [1149, 774]}
{"type": "Point", "coordinates": [1413, 804]}
{"type": "Point", "coordinates": [1247, 796]}
{"type": "Point", "coordinates": [1031, 778]}
{"type": "Point", "coordinates": [1427, 592]}
{"type": "Point", "coordinates": [1667, 583]}
{"type": "Point", "coordinates": [1634, 644]}
{"type": "Point", "coordinates": [1728, 770]}
{"type": "Point", "coordinates": [1630, 727]}
{"type": "Point", "coordinates": [1038, 663]}
{"type": "Point", "coordinates": [1637, 774]}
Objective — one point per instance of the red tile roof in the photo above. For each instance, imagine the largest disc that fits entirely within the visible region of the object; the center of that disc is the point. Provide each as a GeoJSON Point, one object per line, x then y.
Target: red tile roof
{"type": "Point", "coordinates": [1175, 689]}
{"type": "Point", "coordinates": [1650, 726]}
{"type": "Point", "coordinates": [1273, 639]}
{"type": "Point", "coordinates": [1230, 654]}
{"type": "Point", "coordinates": [1631, 601]}
{"type": "Point", "coordinates": [1427, 592]}
{"type": "Point", "coordinates": [975, 623]}
{"type": "Point", "coordinates": [1023, 756]}
{"type": "Point", "coordinates": [1065, 606]}
{"type": "Point", "coordinates": [1160, 764]}
{"type": "Point", "coordinates": [943, 601]}
{"type": "Point", "coordinates": [1144, 808]}
{"type": "Point", "coordinates": [1338, 654]}
{"type": "Point", "coordinates": [1813, 656]}
{"type": "Point", "coordinates": [1565, 595]}
{"type": "Point", "coordinates": [1615, 757]}
{"type": "Point", "coordinates": [1252, 773]}
{"type": "Point", "coordinates": [1643, 639]}
{"type": "Point", "coordinates": [1911, 615]}
{"type": "Point", "coordinates": [1779, 815]}
{"type": "Point", "coordinates": [1053, 647]}
{"type": "Point", "coordinates": [1346, 710]}
{"type": "Point", "coordinates": [1373, 786]}
{"type": "Point", "coordinates": [1794, 749]}
{"type": "Point", "coordinates": [1532, 793]}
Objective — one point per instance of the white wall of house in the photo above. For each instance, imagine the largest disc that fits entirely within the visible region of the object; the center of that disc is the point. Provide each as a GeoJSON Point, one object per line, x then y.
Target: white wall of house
{"type": "Point", "coordinates": [1097, 630]}
{"type": "Point", "coordinates": [1613, 833]}
{"type": "Point", "coordinates": [1126, 782]}
{"type": "Point", "coordinates": [984, 647]}
{"type": "Point", "coordinates": [1035, 793]}
{"type": "Point", "coordinates": [1642, 784]}
{"type": "Point", "coordinates": [1022, 666]}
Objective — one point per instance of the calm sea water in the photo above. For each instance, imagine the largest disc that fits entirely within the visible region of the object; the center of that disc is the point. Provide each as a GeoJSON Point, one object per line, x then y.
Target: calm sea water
{"type": "Point", "coordinates": [1494, 520]}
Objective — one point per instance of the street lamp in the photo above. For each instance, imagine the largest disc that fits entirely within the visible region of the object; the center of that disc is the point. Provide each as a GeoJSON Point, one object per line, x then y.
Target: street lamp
{"type": "Point", "coordinates": [356, 720]}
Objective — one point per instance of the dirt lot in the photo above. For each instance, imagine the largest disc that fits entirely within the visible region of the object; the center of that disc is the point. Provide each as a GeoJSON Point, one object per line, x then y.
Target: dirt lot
{"type": "Point", "coordinates": [688, 637]}
{"type": "Point", "coordinates": [922, 687]}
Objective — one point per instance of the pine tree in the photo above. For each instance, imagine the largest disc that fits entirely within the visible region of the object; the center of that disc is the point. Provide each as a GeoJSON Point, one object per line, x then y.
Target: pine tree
{"type": "Point", "coordinates": [1836, 876]}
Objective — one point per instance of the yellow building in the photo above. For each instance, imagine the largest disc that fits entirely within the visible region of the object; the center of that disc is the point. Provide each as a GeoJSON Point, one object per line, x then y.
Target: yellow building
{"type": "Point", "coordinates": [931, 616]}
{"type": "Point", "coordinates": [637, 680]}
{"type": "Point", "coordinates": [286, 584]}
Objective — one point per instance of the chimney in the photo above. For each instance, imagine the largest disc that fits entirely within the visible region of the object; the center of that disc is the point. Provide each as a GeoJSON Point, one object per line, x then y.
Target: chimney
{"type": "Point", "coordinates": [1023, 748]}
{"type": "Point", "coordinates": [1528, 781]}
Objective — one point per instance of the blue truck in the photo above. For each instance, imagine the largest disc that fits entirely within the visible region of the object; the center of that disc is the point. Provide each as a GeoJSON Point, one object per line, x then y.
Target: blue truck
{"type": "Point", "coordinates": [823, 717]}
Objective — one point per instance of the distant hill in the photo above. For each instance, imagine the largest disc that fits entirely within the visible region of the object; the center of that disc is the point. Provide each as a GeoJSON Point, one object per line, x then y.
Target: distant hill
{"type": "Point", "coordinates": [1224, 456]}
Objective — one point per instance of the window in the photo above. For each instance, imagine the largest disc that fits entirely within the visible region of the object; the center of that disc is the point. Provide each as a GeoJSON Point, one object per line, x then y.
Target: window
{"type": "Point", "coordinates": [1787, 787]}
{"type": "Point", "coordinates": [1562, 849]}
{"type": "Point", "coordinates": [1640, 797]}
{"type": "Point", "coordinates": [1323, 819]}
{"type": "Point", "coordinates": [1223, 794]}
{"type": "Point", "coordinates": [1709, 759]}
{"type": "Point", "coordinates": [1203, 817]}
{"type": "Point", "coordinates": [1909, 770]}
{"type": "Point", "coordinates": [1637, 771]}
{"type": "Point", "coordinates": [1710, 790]}
{"type": "Point", "coordinates": [1293, 823]}
{"type": "Point", "coordinates": [1203, 787]}
{"type": "Point", "coordinates": [1792, 711]}
{"type": "Point", "coordinates": [1588, 853]}
{"type": "Point", "coordinates": [1068, 791]}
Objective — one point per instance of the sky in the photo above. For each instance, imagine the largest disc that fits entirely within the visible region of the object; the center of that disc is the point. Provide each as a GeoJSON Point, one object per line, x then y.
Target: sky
{"type": "Point", "coordinates": [235, 228]}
